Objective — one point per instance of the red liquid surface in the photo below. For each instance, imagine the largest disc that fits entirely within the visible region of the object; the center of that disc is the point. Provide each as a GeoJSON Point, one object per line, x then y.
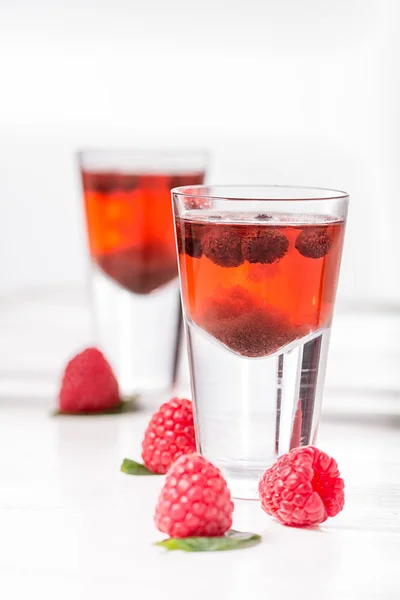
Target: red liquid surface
{"type": "Point", "coordinates": [251, 288]}
{"type": "Point", "coordinates": [130, 226]}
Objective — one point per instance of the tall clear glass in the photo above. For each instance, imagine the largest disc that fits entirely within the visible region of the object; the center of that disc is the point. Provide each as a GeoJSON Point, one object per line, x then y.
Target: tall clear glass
{"type": "Point", "coordinates": [135, 295]}
{"type": "Point", "coordinates": [259, 268]}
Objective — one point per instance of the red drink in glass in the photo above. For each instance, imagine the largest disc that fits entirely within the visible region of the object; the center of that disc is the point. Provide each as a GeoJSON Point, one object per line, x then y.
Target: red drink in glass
{"type": "Point", "coordinates": [259, 267]}
{"type": "Point", "coordinates": [135, 292]}
{"type": "Point", "coordinates": [257, 287]}
{"type": "Point", "coordinates": [130, 226]}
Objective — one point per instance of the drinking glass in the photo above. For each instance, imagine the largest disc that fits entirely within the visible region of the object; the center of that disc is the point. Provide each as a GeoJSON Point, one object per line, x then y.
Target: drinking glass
{"type": "Point", "coordinates": [259, 268]}
{"type": "Point", "coordinates": [134, 285]}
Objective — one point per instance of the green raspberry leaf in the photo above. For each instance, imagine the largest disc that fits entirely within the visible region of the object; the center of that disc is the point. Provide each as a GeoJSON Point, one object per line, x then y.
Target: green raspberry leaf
{"type": "Point", "coordinates": [131, 467]}
{"type": "Point", "coordinates": [232, 540]}
{"type": "Point", "coordinates": [122, 407]}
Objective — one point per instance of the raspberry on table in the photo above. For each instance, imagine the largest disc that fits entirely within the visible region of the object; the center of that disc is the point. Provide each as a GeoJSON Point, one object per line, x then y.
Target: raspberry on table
{"type": "Point", "coordinates": [169, 434]}
{"type": "Point", "coordinates": [264, 245]}
{"type": "Point", "coordinates": [313, 242]}
{"type": "Point", "coordinates": [223, 246]}
{"type": "Point", "coordinates": [195, 500]}
{"type": "Point", "coordinates": [302, 488]}
{"type": "Point", "coordinates": [88, 384]}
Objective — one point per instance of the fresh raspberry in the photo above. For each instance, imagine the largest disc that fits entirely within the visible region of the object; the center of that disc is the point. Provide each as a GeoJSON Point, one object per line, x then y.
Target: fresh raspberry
{"type": "Point", "coordinates": [223, 246]}
{"type": "Point", "coordinates": [195, 500]}
{"type": "Point", "coordinates": [88, 384]}
{"type": "Point", "coordinates": [169, 434]}
{"type": "Point", "coordinates": [313, 242]}
{"type": "Point", "coordinates": [302, 488]}
{"type": "Point", "coordinates": [264, 245]}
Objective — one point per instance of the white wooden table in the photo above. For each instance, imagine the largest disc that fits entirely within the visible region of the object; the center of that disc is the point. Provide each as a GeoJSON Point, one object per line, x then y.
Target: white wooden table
{"type": "Point", "coordinates": [73, 527]}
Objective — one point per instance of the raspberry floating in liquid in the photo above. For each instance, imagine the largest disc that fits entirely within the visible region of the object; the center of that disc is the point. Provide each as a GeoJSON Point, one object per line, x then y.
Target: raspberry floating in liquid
{"type": "Point", "coordinates": [264, 245]}
{"type": "Point", "coordinates": [313, 242]}
{"type": "Point", "coordinates": [192, 242]}
{"type": "Point", "coordinates": [302, 488]}
{"type": "Point", "coordinates": [101, 182]}
{"type": "Point", "coordinates": [223, 246]}
{"type": "Point", "coordinates": [195, 500]}
{"type": "Point", "coordinates": [169, 434]}
{"type": "Point", "coordinates": [255, 334]}
{"type": "Point", "coordinates": [233, 318]}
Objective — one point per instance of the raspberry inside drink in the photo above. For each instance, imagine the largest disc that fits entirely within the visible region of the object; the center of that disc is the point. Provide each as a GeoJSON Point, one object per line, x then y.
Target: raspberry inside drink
{"type": "Point", "coordinates": [257, 283]}
{"type": "Point", "coordinates": [130, 226]}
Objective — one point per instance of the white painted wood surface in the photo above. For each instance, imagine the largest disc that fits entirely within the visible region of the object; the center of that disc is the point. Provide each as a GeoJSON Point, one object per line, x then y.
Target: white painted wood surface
{"type": "Point", "coordinates": [73, 526]}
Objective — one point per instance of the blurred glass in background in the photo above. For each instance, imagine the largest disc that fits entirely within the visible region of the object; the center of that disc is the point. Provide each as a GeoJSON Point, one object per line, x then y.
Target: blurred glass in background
{"type": "Point", "coordinates": [280, 93]}
{"type": "Point", "coordinates": [135, 301]}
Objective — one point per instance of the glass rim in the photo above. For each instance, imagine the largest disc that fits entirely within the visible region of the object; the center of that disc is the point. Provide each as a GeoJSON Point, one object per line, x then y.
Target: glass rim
{"type": "Point", "coordinates": [319, 194]}
{"type": "Point", "coordinates": [137, 151]}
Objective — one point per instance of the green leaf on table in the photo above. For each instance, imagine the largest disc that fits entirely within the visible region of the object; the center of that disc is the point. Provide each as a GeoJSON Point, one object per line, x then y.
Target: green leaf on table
{"type": "Point", "coordinates": [232, 540]}
{"type": "Point", "coordinates": [131, 467]}
{"type": "Point", "coordinates": [123, 407]}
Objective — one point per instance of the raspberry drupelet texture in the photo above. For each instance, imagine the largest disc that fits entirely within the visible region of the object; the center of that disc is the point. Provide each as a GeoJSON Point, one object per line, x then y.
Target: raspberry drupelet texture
{"type": "Point", "coordinates": [88, 384]}
{"type": "Point", "coordinates": [191, 244]}
{"type": "Point", "coordinates": [264, 246]}
{"type": "Point", "coordinates": [195, 500]}
{"type": "Point", "coordinates": [223, 246]}
{"type": "Point", "coordinates": [302, 488]}
{"type": "Point", "coordinates": [313, 243]}
{"type": "Point", "coordinates": [234, 318]}
{"type": "Point", "coordinates": [169, 434]}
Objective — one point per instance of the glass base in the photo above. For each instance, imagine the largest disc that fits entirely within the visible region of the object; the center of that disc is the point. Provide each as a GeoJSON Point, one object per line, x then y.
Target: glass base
{"type": "Point", "coordinates": [242, 481]}
{"type": "Point", "coordinates": [139, 334]}
{"type": "Point", "coordinates": [250, 411]}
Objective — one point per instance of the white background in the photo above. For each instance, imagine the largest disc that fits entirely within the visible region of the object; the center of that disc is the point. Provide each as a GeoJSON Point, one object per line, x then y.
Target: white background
{"type": "Point", "coordinates": [280, 92]}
